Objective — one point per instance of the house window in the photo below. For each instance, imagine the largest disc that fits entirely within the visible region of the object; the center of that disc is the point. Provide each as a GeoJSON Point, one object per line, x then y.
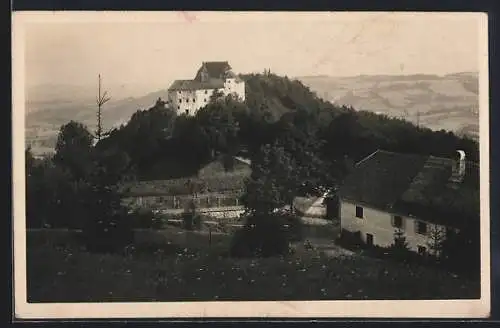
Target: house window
{"type": "Point", "coordinates": [187, 99]}
{"type": "Point", "coordinates": [369, 239]}
{"type": "Point", "coordinates": [180, 101]}
{"type": "Point", "coordinates": [205, 99]}
{"type": "Point", "coordinates": [397, 221]}
{"type": "Point", "coordinates": [178, 107]}
{"type": "Point", "coordinates": [421, 250]}
{"type": "Point", "coordinates": [206, 91]}
{"type": "Point", "coordinates": [421, 228]}
{"type": "Point", "coordinates": [187, 111]}
{"type": "Point", "coordinates": [194, 100]}
{"type": "Point", "coordinates": [359, 212]}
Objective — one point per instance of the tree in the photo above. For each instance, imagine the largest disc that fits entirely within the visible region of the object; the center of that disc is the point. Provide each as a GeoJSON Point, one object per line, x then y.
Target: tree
{"type": "Point", "coordinates": [29, 160]}
{"type": "Point", "coordinates": [298, 133]}
{"type": "Point", "coordinates": [107, 227]}
{"type": "Point", "coordinates": [53, 198]}
{"type": "Point", "coordinates": [73, 149]}
{"type": "Point", "coordinates": [399, 248]}
{"type": "Point", "coordinates": [461, 251]}
{"type": "Point", "coordinates": [101, 100]}
{"type": "Point", "coordinates": [219, 124]}
{"type": "Point", "coordinates": [268, 188]}
{"type": "Point", "coordinates": [436, 238]}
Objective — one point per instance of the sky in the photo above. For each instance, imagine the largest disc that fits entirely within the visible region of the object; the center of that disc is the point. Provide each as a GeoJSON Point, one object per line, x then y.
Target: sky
{"type": "Point", "coordinates": [154, 49]}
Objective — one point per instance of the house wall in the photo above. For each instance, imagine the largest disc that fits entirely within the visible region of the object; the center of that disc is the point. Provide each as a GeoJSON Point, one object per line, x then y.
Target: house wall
{"type": "Point", "coordinates": [380, 225]}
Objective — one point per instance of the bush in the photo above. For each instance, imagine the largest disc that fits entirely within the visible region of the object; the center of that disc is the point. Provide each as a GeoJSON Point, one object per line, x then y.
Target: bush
{"type": "Point", "coordinates": [261, 237]}
{"type": "Point", "coordinates": [399, 249]}
{"type": "Point", "coordinates": [191, 219]}
{"type": "Point", "coordinates": [350, 240]}
{"type": "Point", "coordinates": [295, 227]}
{"type": "Point", "coordinates": [108, 235]}
{"type": "Point", "coordinates": [145, 219]}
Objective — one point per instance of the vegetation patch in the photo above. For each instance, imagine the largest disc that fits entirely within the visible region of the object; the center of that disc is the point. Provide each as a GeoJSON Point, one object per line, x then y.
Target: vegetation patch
{"type": "Point", "coordinates": [195, 272]}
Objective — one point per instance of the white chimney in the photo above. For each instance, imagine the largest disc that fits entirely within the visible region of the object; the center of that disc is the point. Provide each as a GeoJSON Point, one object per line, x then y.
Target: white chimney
{"type": "Point", "coordinates": [459, 167]}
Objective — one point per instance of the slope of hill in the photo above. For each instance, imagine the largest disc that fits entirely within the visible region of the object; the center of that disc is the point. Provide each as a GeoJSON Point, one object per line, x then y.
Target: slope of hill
{"type": "Point", "coordinates": [447, 102]}
{"type": "Point", "coordinates": [44, 118]}
{"type": "Point", "coordinates": [439, 102]}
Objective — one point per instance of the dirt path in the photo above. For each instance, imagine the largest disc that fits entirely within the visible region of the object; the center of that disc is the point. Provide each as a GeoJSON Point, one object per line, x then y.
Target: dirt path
{"type": "Point", "coordinates": [328, 247]}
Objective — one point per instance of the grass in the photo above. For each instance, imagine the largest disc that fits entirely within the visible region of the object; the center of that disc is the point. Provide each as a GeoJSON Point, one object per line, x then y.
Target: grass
{"type": "Point", "coordinates": [186, 269]}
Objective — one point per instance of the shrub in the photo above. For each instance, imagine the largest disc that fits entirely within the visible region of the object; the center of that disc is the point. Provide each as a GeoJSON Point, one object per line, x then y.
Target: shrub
{"type": "Point", "coordinates": [350, 240]}
{"type": "Point", "coordinates": [191, 219]}
{"type": "Point", "coordinates": [294, 226]}
{"type": "Point", "coordinates": [145, 219]}
{"type": "Point", "coordinates": [399, 248]}
{"type": "Point", "coordinates": [261, 237]}
{"type": "Point", "coordinates": [107, 235]}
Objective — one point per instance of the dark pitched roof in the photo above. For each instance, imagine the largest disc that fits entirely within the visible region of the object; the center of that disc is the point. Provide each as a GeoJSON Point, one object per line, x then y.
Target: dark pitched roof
{"type": "Point", "coordinates": [196, 85]}
{"type": "Point", "coordinates": [214, 70]}
{"type": "Point", "coordinates": [416, 185]}
{"type": "Point", "coordinates": [433, 196]}
{"type": "Point", "coordinates": [381, 178]}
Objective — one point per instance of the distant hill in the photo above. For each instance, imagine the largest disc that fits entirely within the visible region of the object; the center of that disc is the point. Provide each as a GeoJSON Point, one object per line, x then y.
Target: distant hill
{"type": "Point", "coordinates": [442, 102]}
{"type": "Point", "coordinates": [44, 118]}
{"type": "Point", "coordinates": [447, 102]}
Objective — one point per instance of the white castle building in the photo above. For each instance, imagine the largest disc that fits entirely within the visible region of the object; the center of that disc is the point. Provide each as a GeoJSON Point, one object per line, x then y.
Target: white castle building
{"type": "Point", "coordinates": [188, 96]}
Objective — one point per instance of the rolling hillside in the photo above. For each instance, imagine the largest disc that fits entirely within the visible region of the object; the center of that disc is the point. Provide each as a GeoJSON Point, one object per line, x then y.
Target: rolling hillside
{"type": "Point", "coordinates": [45, 117]}
{"type": "Point", "coordinates": [440, 102]}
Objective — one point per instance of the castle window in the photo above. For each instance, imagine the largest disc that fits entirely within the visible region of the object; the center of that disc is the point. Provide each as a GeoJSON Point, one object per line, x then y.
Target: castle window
{"type": "Point", "coordinates": [180, 101]}
{"type": "Point", "coordinates": [421, 250]}
{"type": "Point", "coordinates": [178, 107]}
{"type": "Point", "coordinates": [194, 99]}
{"type": "Point", "coordinates": [206, 91]}
{"type": "Point", "coordinates": [187, 111]}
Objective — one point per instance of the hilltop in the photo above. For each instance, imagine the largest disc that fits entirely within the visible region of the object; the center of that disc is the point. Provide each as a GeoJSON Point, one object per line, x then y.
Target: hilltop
{"type": "Point", "coordinates": [447, 102]}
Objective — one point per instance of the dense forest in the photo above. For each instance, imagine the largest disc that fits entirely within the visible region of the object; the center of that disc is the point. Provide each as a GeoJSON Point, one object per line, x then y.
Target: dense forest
{"type": "Point", "coordinates": [298, 144]}
{"type": "Point", "coordinates": [162, 145]}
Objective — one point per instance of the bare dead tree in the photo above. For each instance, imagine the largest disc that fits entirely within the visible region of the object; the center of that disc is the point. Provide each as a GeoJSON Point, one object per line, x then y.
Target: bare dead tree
{"type": "Point", "coordinates": [101, 100]}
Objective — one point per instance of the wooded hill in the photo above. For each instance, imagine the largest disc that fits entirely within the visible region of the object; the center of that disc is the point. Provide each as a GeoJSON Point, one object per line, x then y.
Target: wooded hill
{"type": "Point", "coordinates": [163, 145]}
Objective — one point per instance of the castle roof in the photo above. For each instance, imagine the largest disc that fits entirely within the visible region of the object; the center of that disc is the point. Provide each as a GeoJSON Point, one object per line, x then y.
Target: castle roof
{"type": "Point", "coordinates": [210, 75]}
{"type": "Point", "coordinates": [192, 85]}
{"type": "Point", "coordinates": [214, 70]}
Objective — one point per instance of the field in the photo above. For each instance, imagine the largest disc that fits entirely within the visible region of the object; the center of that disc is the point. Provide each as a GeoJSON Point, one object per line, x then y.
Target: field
{"type": "Point", "coordinates": [187, 269]}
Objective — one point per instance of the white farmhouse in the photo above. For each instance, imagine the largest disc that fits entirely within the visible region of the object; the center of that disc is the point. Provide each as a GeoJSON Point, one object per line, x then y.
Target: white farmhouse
{"type": "Point", "coordinates": [424, 196]}
{"type": "Point", "coordinates": [188, 96]}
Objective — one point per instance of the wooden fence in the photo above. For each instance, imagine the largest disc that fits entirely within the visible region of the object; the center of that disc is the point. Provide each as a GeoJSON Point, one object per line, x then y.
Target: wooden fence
{"type": "Point", "coordinates": [179, 202]}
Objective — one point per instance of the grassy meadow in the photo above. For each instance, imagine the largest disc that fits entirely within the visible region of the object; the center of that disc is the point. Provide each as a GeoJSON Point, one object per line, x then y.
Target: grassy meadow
{"type": "Point", "coordinates": [182, 266]}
